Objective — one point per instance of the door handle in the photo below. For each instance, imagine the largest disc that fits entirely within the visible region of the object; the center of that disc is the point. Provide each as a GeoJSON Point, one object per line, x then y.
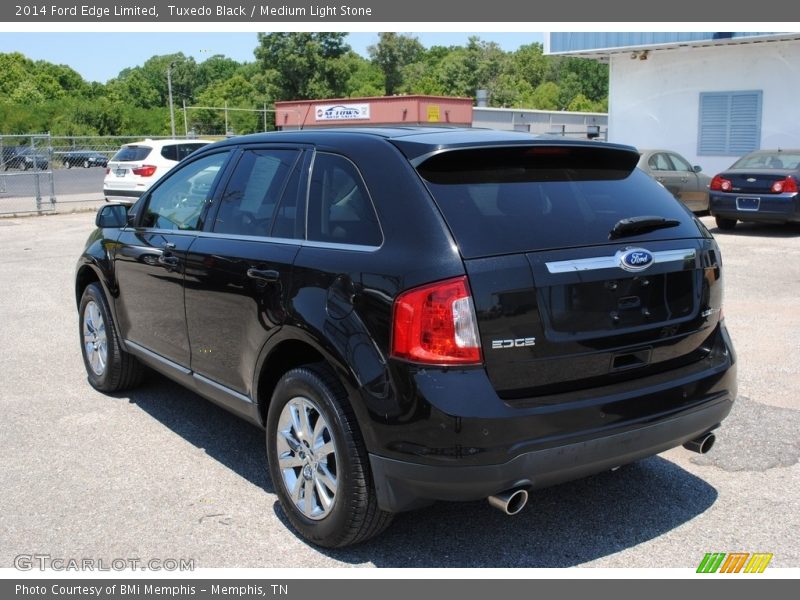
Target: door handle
{"type": "Point", "coordinates": [263, 274]}
{"type": "Point", "coordinates": [167, 259]}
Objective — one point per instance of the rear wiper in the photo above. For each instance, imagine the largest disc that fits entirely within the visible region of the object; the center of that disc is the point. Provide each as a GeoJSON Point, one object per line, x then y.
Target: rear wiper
{"type": "Point", "coordinates": [643, 224]}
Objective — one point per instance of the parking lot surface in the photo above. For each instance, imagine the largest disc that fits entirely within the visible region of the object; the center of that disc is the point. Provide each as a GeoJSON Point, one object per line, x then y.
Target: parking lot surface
{"type": "Point", "coordinates": [161, 473]}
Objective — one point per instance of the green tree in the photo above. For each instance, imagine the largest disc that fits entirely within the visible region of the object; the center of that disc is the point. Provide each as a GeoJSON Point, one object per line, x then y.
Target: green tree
{"type": "Point", "coordinates": [545, 96]}
{"type": "Point", "coordinates": [213, 70]}
{"type": "Point", "coordinates": [529, 64]}
{"type": "Point", "coordinates": [236, 92]}
{"type": "Point", "coordinates": [365, 79]}
{"type": "Point", "coordinates": [302, 65]}
{"type": "Point", "coordinates": [392, 54]}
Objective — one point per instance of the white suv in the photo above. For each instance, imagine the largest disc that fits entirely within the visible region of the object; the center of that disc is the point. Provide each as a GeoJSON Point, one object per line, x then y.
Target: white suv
{"type": "Point", "coordinates": [136, 167]}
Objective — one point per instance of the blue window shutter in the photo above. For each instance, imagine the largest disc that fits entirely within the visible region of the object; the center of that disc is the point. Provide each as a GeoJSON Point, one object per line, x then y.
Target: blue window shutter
{"type": "Point", "coordinates": [730, 123]}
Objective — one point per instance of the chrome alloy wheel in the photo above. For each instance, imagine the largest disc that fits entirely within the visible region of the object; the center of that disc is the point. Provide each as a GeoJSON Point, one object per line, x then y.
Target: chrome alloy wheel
{"type": "Point", "coordinates": [95, 343]}
{"type": "Point", "coordinates": [307, 458]}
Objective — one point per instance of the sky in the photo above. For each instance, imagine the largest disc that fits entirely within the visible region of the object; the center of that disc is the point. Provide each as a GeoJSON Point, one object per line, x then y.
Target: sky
{"type": "Point", "coordinates": [101, 56]}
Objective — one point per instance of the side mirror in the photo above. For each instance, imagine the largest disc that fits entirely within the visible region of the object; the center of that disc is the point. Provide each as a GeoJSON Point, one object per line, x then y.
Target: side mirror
{"type": "Point", "coordinates": [112, 215]}
{"type": "Point", "coordinates": [697, 168]}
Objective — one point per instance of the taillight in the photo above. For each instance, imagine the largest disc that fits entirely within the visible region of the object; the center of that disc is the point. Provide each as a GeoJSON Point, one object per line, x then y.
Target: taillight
{"type": "Point", "coordinates": [721, 184]}
{"type": "Point", "coordinates": [144, 170]}
{"type": "Point", "coordinates": [436, 324]}
{"type": "Point", "coordinates": [785, 186]}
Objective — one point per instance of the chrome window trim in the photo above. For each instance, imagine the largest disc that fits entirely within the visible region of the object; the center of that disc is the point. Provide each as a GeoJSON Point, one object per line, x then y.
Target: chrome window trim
{"type": "Point", "coordinates": [609, 262]}
{"type": "Point", "coordinates": [257, 238]}
{"type": "Point", "coordinates": [287, 241]}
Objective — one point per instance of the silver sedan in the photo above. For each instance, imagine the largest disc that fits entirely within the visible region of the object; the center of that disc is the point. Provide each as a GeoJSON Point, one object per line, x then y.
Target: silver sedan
{"type": "Point", "coordinates": [687, 183]}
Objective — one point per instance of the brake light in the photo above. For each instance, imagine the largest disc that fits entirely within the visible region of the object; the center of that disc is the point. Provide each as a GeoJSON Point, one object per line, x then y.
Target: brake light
{"type": "Point", "coordinates": [721, 184]}
{"type": "Point", "coordinates": [436, 324]}
{"type": "Point", "coordinates": [144, 170]}
{"type": "Point", "coordinates": [785, 186]}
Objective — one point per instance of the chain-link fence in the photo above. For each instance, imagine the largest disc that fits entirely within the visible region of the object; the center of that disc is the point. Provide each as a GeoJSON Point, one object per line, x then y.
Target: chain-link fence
{"type": "Point", "coordinates": [37, 171]}
{"type": "Point", "coordinates": [26, 176]}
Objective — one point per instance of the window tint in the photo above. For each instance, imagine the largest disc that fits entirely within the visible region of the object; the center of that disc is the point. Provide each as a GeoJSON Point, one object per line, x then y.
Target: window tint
{"type": "Point", "coordinates": [339, 206]}
{"type": "Point", "coordinates": [679, 163]}
{"type": "Point", "coordinates": [170, 152]}
{"type": "Point", "coordinates": [132, 153]}
{"type": "Point", "coordinates": [178, 202]}
{"type": "Point", "coordinates": [501, 201]}
{"type": "Point", "coordinates": [257, 183]}
{"type": "Point", "coordinates": [289, 221]}
{"type": "Point", "coordinates": [659, 162]}
{"type": "Point", "coordinates": [178, 152]}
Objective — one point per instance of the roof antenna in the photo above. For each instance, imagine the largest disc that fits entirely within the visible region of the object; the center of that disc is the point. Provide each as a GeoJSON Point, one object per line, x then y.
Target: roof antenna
{"type": "Point", "coordinates": [305, 116]}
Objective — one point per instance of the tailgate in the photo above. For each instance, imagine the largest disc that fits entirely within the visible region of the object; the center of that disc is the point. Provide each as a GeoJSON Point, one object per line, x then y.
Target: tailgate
{"type": "Point", "coordinates": [562, 320]}
{"type": "Point", "coordinates": [583, 270]}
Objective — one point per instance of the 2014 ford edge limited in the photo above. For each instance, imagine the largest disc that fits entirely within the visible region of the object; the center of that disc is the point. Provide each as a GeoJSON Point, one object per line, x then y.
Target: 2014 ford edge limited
{"type": "Point", "coordinates": [417, 314]}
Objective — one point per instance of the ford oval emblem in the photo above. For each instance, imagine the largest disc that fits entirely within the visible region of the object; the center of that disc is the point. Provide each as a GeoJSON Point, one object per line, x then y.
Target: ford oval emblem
{"type": "Point", "coordinates": [634, 259]}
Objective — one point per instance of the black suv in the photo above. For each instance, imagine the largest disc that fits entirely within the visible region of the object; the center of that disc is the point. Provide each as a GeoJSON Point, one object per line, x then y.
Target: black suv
{"type": "Point", "coordinates": [417, 314]}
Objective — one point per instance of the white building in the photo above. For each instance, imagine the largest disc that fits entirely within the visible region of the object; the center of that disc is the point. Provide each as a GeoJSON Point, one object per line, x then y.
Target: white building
{"type": "Point", "coordinates": [709, 96]}
{"type": "Point", "coordinates": [552, 122]}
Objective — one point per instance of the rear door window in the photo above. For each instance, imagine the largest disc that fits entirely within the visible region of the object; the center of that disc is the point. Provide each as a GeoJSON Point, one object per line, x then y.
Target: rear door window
{"type": "Point", "coordinates": [248, 204]}
{"type": "Point", "coordinates": [339, 206]}
{"type": "Point", "coordinates": [170, 152]}
{"type": "Point", "coordinates": [510, 200]}
{"type": "Point", "coordinates": [180, 151]}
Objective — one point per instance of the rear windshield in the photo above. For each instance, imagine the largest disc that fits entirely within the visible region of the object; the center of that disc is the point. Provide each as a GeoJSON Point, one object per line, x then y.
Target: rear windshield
{"type": "Point", "coordinates": [510, 200]}
{"type": "Point", "coordinates": [776, 160]}
{"type": "Point", "coordinates": [178, 152]}
{"type": "Point", "coordinates": [132, 153]}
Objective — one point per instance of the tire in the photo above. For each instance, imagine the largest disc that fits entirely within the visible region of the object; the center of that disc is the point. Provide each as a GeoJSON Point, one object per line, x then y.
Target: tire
{"type": "Point", "coordinates": [342, 507]}
{"type": "Point", "coordinates": [725, 224]}
{"type": "Point", "coordinates": [86, 164]}
{"type": "Point", "coordinates": [67, 164]}
{"type": "Point", "coordinates": [108, 366]}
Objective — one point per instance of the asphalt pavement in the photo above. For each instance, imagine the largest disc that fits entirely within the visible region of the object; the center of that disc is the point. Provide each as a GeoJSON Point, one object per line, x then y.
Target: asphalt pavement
{"type": "Point", "coordinates": [161, 473]}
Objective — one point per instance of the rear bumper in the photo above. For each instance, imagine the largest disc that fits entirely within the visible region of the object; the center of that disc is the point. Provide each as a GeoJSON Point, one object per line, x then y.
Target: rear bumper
{"type": "Point", "coordinates": [469, 444]}
{"type": "Point", "coordinates": [403, 485]}
{"type": "Point", "coordinates": [775, 208]}
{"type": "Point", "coordinates": [124, 196]}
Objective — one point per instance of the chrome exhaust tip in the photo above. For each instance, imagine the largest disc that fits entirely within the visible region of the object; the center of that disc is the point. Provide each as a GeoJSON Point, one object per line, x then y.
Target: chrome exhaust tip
{"type": "Point", "coordinates": [702, 444]}
{"type": "Point", "coordinates": [510, 502]}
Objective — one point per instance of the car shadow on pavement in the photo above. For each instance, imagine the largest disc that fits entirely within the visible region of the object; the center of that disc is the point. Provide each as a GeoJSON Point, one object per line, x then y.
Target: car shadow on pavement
{"type": "Point", "coordinates": [225, 437]}
{"type": "Point", "coordinates": [562, 526]}
{"type": "Point", "coordinates": [771, 230]}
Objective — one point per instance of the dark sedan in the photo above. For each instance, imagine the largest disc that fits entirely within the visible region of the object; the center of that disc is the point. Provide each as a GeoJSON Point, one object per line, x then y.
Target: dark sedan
{"type": "Point", "coordinates": [84, 158]}
{"type": "Point", "coordinates": [761, 186]}
{"type": "Point", "coordinates": [27, 158]}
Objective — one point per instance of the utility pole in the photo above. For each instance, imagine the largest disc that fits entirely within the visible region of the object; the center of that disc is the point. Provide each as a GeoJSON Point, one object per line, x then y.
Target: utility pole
{"type": "Point", "coordinates": [171, 106]}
